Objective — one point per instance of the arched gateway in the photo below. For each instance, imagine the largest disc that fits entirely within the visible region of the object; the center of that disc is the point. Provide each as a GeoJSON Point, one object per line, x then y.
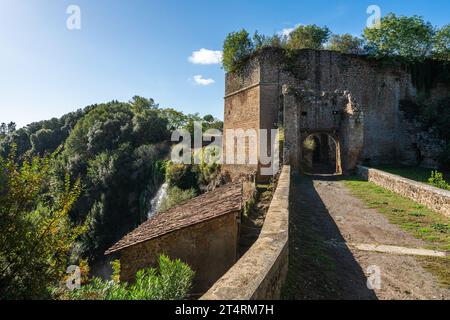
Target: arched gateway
{"type": "Point", "coordinates": [353, 101]}
{"type": "Point", "coordinates": [321, 153]}
{"type": "Point", "coordinates": [322, 129]}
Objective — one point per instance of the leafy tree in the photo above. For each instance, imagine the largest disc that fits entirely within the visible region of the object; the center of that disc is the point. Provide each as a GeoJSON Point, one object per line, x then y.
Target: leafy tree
{"type": "Point", "coordinates": [6, 129]}
{"type": "Point", "coordinates": [346, 43]}
{"type": "Point", "coordinates": [115, 149]}
{"type": "Point", "coordinates": [44, 140]}
{"type": "Point", "coordinates": [141, 103]}
{"type": "Point", "coordinates": [175, 119]}
{"type": "Point", "coordinates": [308, 37]}
{"type": "Point", "coordinates": [36, 233]}
{"type": "Point", "coordinates": [260, 41]}
{"type": "Point", "coordinates": [409, 37]}
{"type": "Point", "coordinates": [181, 175]}
{"type": "Point", "coordinates": [442, 44]}
{"type": "Point", "coordinates": [236, 48]}
{"type": "Point", "coordinates": [39, 137]}
{"type": "Point", "coordinates": [209, 122]}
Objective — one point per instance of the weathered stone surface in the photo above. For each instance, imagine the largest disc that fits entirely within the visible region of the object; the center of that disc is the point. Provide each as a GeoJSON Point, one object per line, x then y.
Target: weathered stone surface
{"type": "Point", "coordinates": [260, 273]}
{"type": "Point", "coordinates": [434, 198]}
{"type": "Point", "coordinates": [353, 99]}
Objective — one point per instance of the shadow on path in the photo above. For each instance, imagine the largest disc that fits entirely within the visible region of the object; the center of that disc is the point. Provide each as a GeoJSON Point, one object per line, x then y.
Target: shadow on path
{"type": "Point", "coordinates": [321, 266]}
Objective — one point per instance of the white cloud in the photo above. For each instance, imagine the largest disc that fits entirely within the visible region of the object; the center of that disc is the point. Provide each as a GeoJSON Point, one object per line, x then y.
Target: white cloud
{"type": "Point", "coordinates": [202, 81]}
{"type": "Point", "coordinates": [205, 56]}
{"type": "Point", "coordinates": [285, 33]}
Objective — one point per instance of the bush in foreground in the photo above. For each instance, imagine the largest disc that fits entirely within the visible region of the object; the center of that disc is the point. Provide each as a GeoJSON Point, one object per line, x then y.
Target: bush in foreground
{"type": "Point", "coordinates": [171, 281]}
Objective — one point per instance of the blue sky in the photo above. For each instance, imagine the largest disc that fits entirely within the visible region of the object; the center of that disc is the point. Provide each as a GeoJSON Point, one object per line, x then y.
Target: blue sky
{"type": "Point", "coordinates": [135, 47]}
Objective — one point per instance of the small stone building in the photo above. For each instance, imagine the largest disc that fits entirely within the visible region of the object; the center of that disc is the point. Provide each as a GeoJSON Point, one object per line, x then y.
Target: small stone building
{"type": "Point", "coordinates": [202, 232]}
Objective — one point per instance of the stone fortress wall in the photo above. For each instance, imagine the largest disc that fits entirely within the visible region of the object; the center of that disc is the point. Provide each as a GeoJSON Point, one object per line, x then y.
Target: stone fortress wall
{"type": "Point", "coordinates": [353, 99]}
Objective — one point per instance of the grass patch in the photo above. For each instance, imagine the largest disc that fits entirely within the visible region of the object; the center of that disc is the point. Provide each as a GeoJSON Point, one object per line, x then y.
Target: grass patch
{"type": "Point", "coordinates": [439, 267]}
{"type": "Point", "coordinates": [413, 173]}
{"type": "Point", "coordinates": [421, 222]}
{"type": "Point", "coordinates": [431, 227]}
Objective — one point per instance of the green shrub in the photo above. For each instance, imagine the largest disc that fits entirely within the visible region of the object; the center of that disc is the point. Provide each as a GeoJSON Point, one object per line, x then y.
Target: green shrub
{"type": "Point", "coordinates": [209, 168]}
{"type": "Point", "coordinates": [308, 37]}
{"type": "Point", "coordinates": [172, 281]}
{"type": "Point", "coordinates": [346, 43]}
{"type": "Point", "coordinates": [236, 48]}
{"type": "Point", "coordinates": [181, 175]}
{"type": "Point", "coordinates": [437, 180]}
{"type": "Point", "coordinates": [176, 196]}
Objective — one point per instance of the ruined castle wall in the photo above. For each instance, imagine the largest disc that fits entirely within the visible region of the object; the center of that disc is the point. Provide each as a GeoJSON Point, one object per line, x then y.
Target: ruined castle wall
{"type": "Point", "coordinates": [209, 248]}
{"type": "Point", "coordinates": [241, 111]}
{"type": "Point", "coordinates": [374, 87]}
{"type": "Point", "coordinates": [377, 91]}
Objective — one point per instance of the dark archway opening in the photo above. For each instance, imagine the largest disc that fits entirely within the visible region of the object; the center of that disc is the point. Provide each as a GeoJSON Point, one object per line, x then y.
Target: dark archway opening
{"type": "Point", "coordinates": [321, 154]}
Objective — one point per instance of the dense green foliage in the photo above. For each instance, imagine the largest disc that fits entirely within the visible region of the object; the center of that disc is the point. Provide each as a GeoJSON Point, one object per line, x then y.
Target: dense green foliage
{"type": "Point", "coordinates": [437, 180]}
{"type": "Point", "coordinates": [115, 153]}
{"type": "Point", "coordinates": [186, 181]}
{"type": "Point", "coordinates": [346, 43]}
{"type": "Point", "coordinates": [176, 196]}
{"type": "Point", "coordinates": [182, 176]}
{"type": "Point", "coordinates": [237, 47]}
{"type": "Point", "coordinates": [442, 44]}
{"type": "Point", "coordinates": [6, 129]}
{"type": "Point", "coordinates": [308, 37]}
{"type": "Point", "coordinates": [36, 233]}
{"type": "Point", "coordinates": [409, 38]}
{"type": "Point", "coordinates": [171, 281]}
{"type": "Point", "coordinates": [115, 150]}
{"type": "Point", "coordinates": [40, 137]}
{"type": "Point", "coordinates": [199, 176]}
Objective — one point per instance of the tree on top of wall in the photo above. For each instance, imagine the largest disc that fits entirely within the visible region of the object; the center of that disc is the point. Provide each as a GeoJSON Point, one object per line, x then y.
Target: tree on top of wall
{"type": "Point", "coordinates": [308, 37]}
{"type": "Point", "coordinates": [236, 47]}
{"type": "Point", "coordinates": [408, 37]}
{"type": "Point", "coordinates": [346, 43]}
{"type": "Point", "coordinates": [442, 44]}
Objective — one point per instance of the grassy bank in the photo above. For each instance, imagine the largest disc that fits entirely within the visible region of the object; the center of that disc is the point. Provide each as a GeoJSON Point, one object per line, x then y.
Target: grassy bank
{"type": "Point", "coordinates": [431, 227]}
{"type": "Point", "coordinates": [413, 173]}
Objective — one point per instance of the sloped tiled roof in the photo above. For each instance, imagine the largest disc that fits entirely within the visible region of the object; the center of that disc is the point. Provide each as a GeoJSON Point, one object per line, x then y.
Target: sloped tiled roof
{"type": "Point", "coordinates": [208, 206]}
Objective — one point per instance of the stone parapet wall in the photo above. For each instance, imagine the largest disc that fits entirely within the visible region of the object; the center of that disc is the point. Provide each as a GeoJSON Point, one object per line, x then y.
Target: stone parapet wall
{"type": "Point", "coordinates": [434, 198]}
{"type": "Point", "coordinates": [260, 273]}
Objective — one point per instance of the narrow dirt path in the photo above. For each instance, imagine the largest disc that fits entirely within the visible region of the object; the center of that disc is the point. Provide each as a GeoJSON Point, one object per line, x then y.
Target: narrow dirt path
{"type": "Point", "coordinates": [327, 224]}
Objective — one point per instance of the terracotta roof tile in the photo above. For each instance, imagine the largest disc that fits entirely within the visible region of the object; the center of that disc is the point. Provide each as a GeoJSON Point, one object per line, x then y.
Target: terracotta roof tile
{"type": "Point", "coordinates": [210, 205]}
